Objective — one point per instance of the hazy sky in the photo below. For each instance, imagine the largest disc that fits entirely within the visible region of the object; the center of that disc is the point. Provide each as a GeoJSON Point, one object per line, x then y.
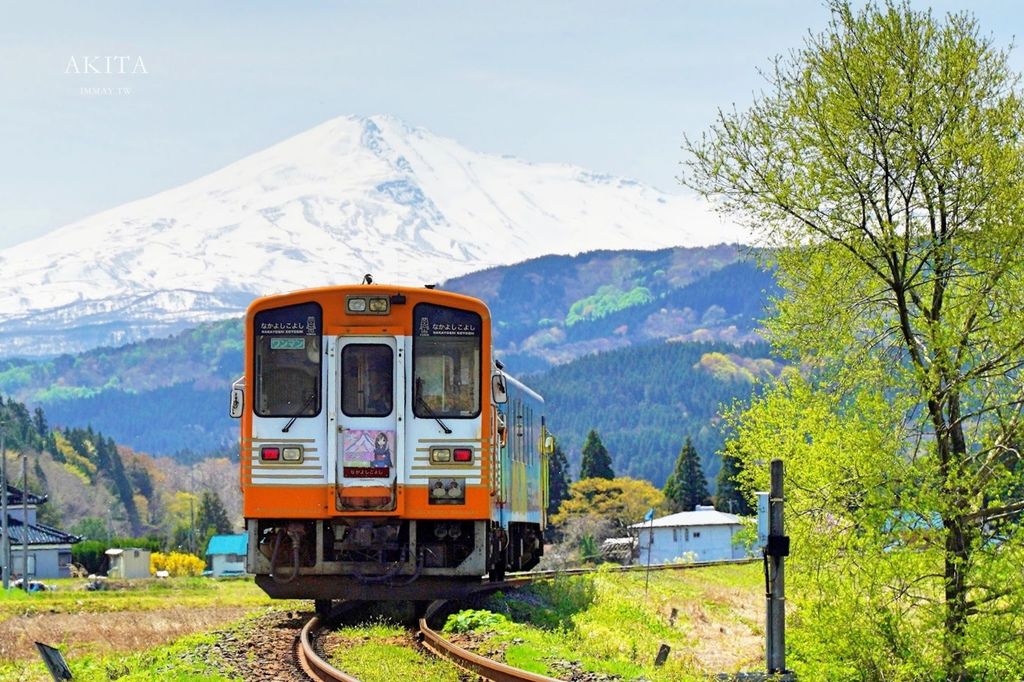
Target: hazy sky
{"type": "Point", "coordinates": [609, 86]}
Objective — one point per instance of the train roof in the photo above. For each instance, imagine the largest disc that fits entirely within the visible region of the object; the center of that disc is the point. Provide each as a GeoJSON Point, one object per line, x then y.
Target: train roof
{"type": "Point", "coordinates": [418, 294]}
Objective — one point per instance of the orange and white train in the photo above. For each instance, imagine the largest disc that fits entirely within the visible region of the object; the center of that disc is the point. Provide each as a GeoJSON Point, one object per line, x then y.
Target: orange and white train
{"type": "Point", "coordinates": [384, 452]}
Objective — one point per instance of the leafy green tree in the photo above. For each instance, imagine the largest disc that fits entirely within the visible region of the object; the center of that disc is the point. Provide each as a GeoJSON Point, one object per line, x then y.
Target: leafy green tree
{"type": "Point", "coordinates": [91, 528]}
{"type": "Point", "coordinates": [558, 479]}
{"type": "Point", "coordinates": [884, 163]}
{"type": "Point", "coordinates": [596, 463]}
{"type": "Point", "coordinates": [686, 486]}
{"type": "Point", "coordinates": [728, 496]}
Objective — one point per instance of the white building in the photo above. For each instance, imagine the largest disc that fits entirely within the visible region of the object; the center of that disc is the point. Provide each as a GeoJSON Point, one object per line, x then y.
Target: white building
{"type": "Point", "coordinates": [700, 535]}
{"type": "Point", "coordinates": [130, 562]}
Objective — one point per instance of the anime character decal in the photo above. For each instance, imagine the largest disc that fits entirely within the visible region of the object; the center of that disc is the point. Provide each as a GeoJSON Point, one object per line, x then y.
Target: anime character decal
{"type": "Point", "coordinates": [381, 450]}
{"type": "Point", "coordinates": [367, 453]}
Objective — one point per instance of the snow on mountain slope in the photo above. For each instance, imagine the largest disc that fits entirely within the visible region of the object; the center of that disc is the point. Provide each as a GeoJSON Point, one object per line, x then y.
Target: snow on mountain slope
{"type": "Point", "coordinates": [350, 196]}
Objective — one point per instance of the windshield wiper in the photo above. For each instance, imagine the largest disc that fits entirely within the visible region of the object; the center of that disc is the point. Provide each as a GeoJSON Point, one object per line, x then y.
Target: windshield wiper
{"type": "Point", "coordinates": [309, 401]}
{"type": "Point", "coordinates": [430, 412]}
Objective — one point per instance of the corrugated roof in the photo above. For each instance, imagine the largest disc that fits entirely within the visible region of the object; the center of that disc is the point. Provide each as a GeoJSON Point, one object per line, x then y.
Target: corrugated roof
{"type": "Point", "coordinates": [14, 497]}
{"type": "Point", "coordinates": [228, 544]}
{"type": "Point", "coordinates": [38, 534]}
{"type": "Point", "coordinates": [704, 517]}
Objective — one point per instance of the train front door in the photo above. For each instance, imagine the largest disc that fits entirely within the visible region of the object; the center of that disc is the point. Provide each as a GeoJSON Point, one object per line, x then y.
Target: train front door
{"type": "Point", "coordinates": [371, 386]}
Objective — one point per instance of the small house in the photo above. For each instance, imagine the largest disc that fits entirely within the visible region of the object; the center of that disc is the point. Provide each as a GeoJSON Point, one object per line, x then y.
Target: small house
{"type": "Point", "coordinates": [227, 554]}
{"type": "Point", "coordinates": [49, 549]}
{"type": "Point", "coordinates": [129, 562]}
{"type": "Point", "coordinates": [700, 535]}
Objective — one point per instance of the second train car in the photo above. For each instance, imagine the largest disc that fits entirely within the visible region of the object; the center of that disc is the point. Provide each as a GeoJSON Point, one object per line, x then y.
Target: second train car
{"type": "Point", "coordinates": [385, 454]}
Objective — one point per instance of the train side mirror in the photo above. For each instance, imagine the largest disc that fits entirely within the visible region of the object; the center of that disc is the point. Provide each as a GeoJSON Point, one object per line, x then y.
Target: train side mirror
{"type": "Point", "coordinates": [237, 402]}
{"type": "Point", "coordinates": [237, 398]}
{"type": "Point", "coordinates": [498, 389]}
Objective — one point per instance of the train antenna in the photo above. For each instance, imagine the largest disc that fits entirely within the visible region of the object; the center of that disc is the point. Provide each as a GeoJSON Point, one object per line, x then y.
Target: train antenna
{"type": "Point", "coordinates": [367, 278]}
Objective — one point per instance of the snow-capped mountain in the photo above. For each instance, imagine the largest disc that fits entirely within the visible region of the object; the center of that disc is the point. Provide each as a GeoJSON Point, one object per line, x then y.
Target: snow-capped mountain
{"type": "Point", "coordinates": [350, 196]}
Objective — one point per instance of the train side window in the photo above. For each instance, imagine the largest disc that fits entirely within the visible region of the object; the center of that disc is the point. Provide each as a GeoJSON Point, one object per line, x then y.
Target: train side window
{"type": "Point", "coordinates": [287, 361]}
{"type": "Point", "coordinates": [367, 380]}
{"type": "Point", "coordinates": [446, 362]}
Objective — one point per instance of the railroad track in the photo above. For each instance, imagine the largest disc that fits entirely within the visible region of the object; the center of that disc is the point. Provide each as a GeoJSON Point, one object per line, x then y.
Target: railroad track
{"type": "Point", "coordinates": [321, 671]}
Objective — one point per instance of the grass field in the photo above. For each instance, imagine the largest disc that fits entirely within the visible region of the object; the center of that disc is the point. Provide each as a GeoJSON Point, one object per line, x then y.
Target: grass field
{"type": "Point", "coordinates": [611, 623]}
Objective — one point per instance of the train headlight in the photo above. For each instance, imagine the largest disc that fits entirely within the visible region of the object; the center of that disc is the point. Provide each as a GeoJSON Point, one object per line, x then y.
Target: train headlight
{"type": "Point", "coordinates": [368, 305]}
{"type": "Point", "coordinates": [292, 453]}
{"type": "Point", "coordinates": [440, 455]}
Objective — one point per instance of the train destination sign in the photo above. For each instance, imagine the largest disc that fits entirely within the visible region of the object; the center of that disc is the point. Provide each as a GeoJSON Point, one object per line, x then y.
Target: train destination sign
{"type": "Point", "coordinates": [296, 320]}
{"type": "Point", "coordinates": [440, 321]}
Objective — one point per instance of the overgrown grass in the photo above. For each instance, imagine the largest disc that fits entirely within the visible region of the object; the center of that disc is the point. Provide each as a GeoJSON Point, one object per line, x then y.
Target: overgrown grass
{"type": "Point", "coordinates": [606, 623]}
{"type": "Point", "coordinates": [382, 652]}
{"type": "Point", "coordinates": [134, 595]}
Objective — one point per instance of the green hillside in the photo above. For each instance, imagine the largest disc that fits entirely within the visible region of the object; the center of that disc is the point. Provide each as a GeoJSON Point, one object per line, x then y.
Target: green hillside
{"type": "Point", "coordinates": [645, 401]}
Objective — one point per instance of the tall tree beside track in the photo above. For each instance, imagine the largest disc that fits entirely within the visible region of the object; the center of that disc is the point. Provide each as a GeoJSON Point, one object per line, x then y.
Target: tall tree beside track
{"type": "Point", "coordinates": [686, 486]}
{"type": "Point", "coordinates": [884, 162]}
{"type": "Point", "coordinates": [558, 479]}
{"type": "Point", "coordinates": [596, 462]}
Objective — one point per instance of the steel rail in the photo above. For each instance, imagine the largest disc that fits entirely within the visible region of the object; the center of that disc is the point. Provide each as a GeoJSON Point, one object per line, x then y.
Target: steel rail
{"type": "Point", "coordinates": [321, 671]}
{"type": "Point", "coordinates": [467, 660]}
{"type": "Point", "coordinates": [317, 668]}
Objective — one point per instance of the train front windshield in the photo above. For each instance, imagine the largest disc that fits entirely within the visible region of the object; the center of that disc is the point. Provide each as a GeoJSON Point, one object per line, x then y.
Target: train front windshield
{"type": "Point", "coordinates": [446, 362]}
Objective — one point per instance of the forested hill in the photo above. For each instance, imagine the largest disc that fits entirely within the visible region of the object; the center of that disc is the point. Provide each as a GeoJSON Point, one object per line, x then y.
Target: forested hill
{"type": "Point", "coordinates": [553, 309]}
{"type": "Point", "coordinates": [645, 401]}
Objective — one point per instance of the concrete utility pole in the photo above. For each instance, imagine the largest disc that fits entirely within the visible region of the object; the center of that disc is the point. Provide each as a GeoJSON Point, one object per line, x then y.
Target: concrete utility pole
{"type": "Point", "coordinates": [775, 553]}
{"type": "Point", "coordinates": [24, 521]}
{"type": "Point", "coordinates": [5, 546]}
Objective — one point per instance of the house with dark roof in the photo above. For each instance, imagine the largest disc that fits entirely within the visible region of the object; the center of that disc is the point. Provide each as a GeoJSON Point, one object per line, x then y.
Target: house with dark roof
{"type": "Point", "coordinates": [49, 548]}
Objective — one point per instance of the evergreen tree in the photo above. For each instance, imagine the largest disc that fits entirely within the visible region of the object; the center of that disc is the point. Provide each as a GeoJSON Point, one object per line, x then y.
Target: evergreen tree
{"type": "Point", "coordinates": [597, 463]}
{"type": "Point", "coordinates": [39, 422]}
{"type": "Point", "coordinates": [686, 486]}
{"type": "Point", "coordinates": [212, 515]}
{"type": "Point", "coordinates": [558, 479]}
{"type": "Point", "coordinates": [211, 519]}
{"type": "Point", "coordinates": [729, 498]}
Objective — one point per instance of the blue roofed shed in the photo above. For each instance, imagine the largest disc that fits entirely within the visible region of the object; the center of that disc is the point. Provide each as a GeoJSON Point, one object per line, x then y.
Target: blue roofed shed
{"type": "Point", "coordinates": [227, 554]}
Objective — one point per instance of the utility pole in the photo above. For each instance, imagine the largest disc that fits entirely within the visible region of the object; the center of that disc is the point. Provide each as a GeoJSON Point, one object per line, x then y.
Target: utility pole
{"type": "Point", "coordinates": [24, 520]}
{"type": "Point", "coordinates": [5, 546]}
{"type": "Point", "coordinates": [775, 553]}
{"type": "Point", "coordinates": [191, 509]}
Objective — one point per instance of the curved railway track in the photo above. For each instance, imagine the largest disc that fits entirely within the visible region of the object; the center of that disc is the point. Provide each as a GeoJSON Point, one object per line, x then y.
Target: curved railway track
{"type": "Point", "coordinates": [321, 671]}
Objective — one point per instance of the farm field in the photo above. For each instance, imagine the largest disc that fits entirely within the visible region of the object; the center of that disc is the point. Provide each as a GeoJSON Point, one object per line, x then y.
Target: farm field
{"type": "Point", "coordinates": [123, 632]}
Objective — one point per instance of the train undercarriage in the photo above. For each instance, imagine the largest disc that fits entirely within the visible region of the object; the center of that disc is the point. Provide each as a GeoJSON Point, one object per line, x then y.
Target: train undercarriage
{"type": "Point", "coordinates": [385, 558]}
